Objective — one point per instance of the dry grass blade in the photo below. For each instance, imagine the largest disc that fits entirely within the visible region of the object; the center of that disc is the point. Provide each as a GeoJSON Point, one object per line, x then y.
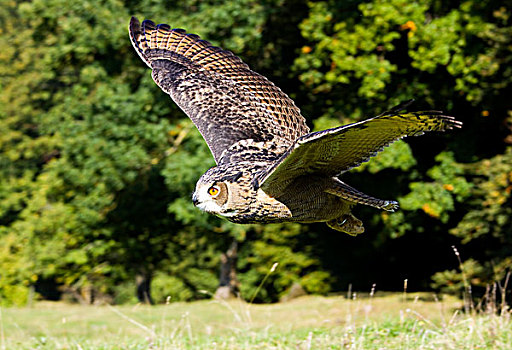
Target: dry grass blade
{"type": "Point", "coordinates": [272, 269]}
{"type": "Point", "coordinates": [132, 321]}
{"type": "Point", "coordinates": [468, 294]}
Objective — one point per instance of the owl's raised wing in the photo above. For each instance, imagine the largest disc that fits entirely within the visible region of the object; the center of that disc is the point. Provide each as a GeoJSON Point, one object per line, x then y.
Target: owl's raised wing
{"type": "Point", "coordinates": [334, 151]}
{"type": "Point", "coordinates": [226, 100]}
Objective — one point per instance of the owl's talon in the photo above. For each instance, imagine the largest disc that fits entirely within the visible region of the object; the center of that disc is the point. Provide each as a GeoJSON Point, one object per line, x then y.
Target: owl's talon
{"type": "Point", "coordinates": [350, 224]}
{"type": "Point", "coordinates": [390, 206]}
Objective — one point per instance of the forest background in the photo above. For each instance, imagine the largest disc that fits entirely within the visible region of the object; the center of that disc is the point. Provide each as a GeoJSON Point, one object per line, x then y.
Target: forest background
{"type": "Point", "coordinates": [97, 164]}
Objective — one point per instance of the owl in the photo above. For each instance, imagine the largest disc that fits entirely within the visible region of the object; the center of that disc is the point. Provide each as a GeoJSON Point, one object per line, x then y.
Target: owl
{"type": "Point", "coordinates": [270, 167]}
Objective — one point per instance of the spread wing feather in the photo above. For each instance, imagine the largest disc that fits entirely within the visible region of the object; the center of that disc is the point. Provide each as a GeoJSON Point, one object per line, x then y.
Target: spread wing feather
{"type": "Point", "coordinates": [226, 100]}
{"type": "Point", "coordinates": [334, 151]}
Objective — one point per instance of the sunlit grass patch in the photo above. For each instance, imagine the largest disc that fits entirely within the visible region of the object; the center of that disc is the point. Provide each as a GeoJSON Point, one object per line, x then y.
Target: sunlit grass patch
{"type": "Point", "coordinates": [390, 321]}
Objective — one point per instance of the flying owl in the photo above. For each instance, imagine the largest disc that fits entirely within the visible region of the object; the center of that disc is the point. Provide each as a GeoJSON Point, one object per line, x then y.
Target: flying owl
{"type": "Point", "coordinates": [270, 167]}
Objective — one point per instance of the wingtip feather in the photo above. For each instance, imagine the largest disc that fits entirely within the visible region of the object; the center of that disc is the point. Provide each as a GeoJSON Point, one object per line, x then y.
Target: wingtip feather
{"type": "Point", "coordinates": [398, 108]}
{"type": "Point", "coordinates": [135, 29]}
{"type": "Point", "coordinates": [134, 20]}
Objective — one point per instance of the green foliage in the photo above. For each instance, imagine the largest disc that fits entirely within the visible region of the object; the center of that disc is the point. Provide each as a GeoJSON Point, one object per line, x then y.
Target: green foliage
{"type": "Point", "coordinates": [123, 293]}
{"type": "Point", "coordinates": [438, 198]}
{"type": "Point", "coordinates": [455, 55]}
{"type": "Point", "coordinates": [397, 156]}
{"type": "Point", "coordinates": [450, 41]}
{"type": "Point", "coordinates": [487, 221]}
{"type": "Point", "coordinates": [164, 287]}
{"type": "Point", "coordinates": [15, 277]}
{"type": "Point", "coordinates": [279, 244]}
{"type": "Point", "coordinates": [364, 57]}
{"type": "Point", "coordinates": [97, 164]}
{"type": "Point", "coordinates": [489, 210]}
{"type": "Point", "coordinates": [453, 281]}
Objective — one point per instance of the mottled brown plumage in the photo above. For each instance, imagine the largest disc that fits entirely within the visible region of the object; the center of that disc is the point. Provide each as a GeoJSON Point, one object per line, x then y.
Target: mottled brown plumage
{"type": "Point", "coordinates": [219, 92]}
{"type": "Point", "coordinates": [269, 167]}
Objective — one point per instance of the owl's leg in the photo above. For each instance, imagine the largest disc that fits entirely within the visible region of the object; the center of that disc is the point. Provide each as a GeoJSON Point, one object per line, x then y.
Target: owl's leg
{"type": "Point", "coordinates": [347, 223]}
{"type": "Point", "coordinates": [344, 191]}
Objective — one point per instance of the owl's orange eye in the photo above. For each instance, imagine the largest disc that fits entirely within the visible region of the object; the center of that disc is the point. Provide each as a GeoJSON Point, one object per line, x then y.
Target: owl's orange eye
{"type": "Point", "coordinates": [213, 191]}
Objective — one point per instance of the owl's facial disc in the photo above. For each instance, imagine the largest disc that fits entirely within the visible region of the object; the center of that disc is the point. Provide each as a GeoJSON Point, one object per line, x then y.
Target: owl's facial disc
{"type": "Point", "coordinates": [213, 198]}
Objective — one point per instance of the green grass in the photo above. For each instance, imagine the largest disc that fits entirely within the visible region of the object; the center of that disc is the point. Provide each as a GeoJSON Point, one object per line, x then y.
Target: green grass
{"type": "Point", "coordinates": [312, 322]}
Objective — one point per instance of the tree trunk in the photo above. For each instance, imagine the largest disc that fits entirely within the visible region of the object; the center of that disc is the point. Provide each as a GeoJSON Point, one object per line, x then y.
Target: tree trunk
{"type": "Point", "coordinates": [143, 281]}
{"type": "Point", "coordinates": [228, 283]}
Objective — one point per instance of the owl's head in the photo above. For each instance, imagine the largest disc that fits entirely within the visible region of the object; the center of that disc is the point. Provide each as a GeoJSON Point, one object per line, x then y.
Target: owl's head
{"type": "Point", "coordinates": [221, 192]}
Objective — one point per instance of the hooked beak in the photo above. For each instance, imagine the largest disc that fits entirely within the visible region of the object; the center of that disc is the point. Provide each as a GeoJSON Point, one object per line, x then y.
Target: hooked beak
{"type": "Point", "coordinates": [195, 201]}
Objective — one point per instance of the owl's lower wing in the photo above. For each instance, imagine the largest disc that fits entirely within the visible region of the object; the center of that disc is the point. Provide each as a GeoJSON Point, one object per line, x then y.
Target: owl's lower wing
{"type": "Point", "coordinates": [226, 100]}
{"type": "Point", "coordinates": [334, 151]}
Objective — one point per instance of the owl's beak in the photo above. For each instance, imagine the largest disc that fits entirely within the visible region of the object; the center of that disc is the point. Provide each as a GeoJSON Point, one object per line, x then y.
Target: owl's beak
{"type": "Point", "coordinates": [195, 201]}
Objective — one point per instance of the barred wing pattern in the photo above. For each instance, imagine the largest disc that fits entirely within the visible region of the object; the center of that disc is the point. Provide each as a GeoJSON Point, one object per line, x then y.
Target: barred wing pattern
{"type": "Point", "coordinates": [226, 100]}
{"type": "Point", "coordinates": [334, 151]}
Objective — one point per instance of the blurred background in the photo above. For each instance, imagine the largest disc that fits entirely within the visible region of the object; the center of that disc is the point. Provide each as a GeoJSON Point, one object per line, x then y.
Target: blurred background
{"type": "Point", "coordinates": [97, 164]}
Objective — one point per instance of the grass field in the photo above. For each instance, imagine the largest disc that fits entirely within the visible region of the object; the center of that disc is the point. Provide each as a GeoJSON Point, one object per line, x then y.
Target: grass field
{"type": "Point", "coordinates": [394, 321]}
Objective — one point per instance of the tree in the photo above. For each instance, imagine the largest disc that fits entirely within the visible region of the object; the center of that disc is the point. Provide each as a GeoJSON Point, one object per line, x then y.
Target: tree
{"type": "Point", "coordinates": [97, 164]}
{"type": "Point", "coordinates": [452, 55]}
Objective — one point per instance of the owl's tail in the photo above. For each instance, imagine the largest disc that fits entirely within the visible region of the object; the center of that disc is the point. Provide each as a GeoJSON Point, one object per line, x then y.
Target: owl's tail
{"type": "Point", "coordinates": [153, 42]}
